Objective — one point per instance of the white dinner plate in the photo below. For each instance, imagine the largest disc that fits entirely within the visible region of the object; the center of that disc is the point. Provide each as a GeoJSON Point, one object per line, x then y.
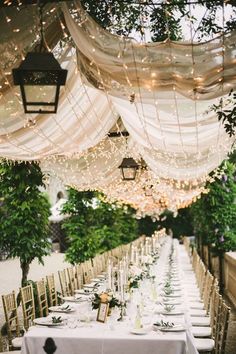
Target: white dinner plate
{"type": "Point", "coordinates": [139, 331]}
{"type": "Point", "coordinates": [177, 328]}
{"type": "Point", "coordinates": [90, 286]}
{"type": "Point", "coordinates": [173, 312]}
{"type": "Point", "coordinates": [171, 302]}
{"type": "Point", "coordinates": [101, 276]}
{"type": "Point", "coordinates": [72, 299]}
{"type": "Point", "coordinates": [83, 292]}
{"type": "Point", "coordinates": [62, 309]}
{"type": "Point", "coordinates": [97, 280]}
{"type": "Point", "coordinates": [46, 321]}
{"type": "Point", "coordinates": [173, 295]}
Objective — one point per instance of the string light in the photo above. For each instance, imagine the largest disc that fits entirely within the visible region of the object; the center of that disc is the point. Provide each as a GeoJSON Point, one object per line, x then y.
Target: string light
{"type": "Point", "coordinates": [134, 86]}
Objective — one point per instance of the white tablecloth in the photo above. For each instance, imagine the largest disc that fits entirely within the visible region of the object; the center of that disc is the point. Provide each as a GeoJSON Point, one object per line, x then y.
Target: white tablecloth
{"type": "Point", "coordinates": [115, 337]}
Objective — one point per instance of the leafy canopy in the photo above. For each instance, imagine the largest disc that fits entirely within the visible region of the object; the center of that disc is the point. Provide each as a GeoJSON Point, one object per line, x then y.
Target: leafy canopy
{"type": "Point", "coordinates": [162, 19]}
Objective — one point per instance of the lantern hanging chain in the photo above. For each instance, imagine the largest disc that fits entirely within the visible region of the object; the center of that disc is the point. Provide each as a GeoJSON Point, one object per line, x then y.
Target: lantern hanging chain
{"type": "Point", "coordinates": [42, 39]}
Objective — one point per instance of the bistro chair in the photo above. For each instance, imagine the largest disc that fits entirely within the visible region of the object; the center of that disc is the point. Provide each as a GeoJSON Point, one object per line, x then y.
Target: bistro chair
{"type": "Point", "coordinates": [42, 298]}
{"type": "Point", "coordinates": [52, 293]}
{"type": "Point", "coordinates": [28, 305]}
{"type": "Point", "coordinates": [12, 320]}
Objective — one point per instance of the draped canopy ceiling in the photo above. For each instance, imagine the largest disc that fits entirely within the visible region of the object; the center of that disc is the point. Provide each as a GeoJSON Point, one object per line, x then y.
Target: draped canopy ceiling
{"type": "Point", "coordinates": [159, 92]}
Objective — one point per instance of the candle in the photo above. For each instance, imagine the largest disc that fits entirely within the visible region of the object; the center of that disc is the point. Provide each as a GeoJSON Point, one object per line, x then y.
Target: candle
{"type": "Point", "coordinates": [122, 285]}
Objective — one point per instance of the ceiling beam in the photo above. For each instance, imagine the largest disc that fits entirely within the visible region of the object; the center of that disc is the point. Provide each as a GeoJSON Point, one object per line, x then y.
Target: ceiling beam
{"type": "Point", "coordinates": [117, 134]}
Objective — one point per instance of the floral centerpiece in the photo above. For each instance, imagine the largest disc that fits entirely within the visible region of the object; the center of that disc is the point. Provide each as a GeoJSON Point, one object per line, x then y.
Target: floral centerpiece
{"type": "Point", "coordinates": [135, 275]}
{"type": "Point", "coordinates": [106, 297]}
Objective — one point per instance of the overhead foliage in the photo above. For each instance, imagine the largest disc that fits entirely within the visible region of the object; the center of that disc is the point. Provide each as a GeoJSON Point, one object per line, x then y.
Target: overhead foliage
{"type": "Point", "coordinates": [214, 214]}
{"type": "Point", "coordinates": [226, 112]}
{"type": "Point", "coordinates": [95, 226]}
{"type": "Point", "coordinates": [24, 213]}
{"type": "Point", "coordinates": [162, 19]}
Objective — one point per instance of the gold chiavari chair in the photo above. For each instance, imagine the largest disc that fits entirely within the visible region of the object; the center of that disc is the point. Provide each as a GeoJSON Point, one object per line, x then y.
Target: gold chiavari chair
{"type": "Point", "coordinates": [52, 293]}
{"type": "Point", "coordinates": [1, 344]}
{"type": "Point", "coordinates": [12, 320]}
{"type": "Point", "coordinates": [65, 290]}
{"type": "Point", "coordinates": [222, 329]}
{"type": "Point", "coordinates": [7, 352]}
{"type": "Point", "coordinates": [218, 345]}
{"type": "Point", "coordinates": [42, 298]}
{"type": "Point", "coordinates": [79, 276]}
{"type": "Point", "coordinates": [71, 280]}
{"type": "Point", "coordinates": [87, 271]}
{"type": "Point", "coordinates": [215, 307]}
{"type": "Point", "coordinates": [207, 291]}
{"type": "Point", "coordinates": [28, 305]}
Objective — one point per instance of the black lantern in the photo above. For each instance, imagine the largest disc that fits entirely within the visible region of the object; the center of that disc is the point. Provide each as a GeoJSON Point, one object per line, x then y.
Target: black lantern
{"type": "Point", "coordinates": [129, 168]}
{"type": "Point", "coordinates": [148, 190]}
{"type": "Point", "coordinates": [40, 77]}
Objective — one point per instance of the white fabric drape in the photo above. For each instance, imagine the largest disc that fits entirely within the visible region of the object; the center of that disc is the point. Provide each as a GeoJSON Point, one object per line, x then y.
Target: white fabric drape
{"type": "Point", "coordinates": [84, 117]}
{"type": "Point", "coordinates": [122, 66]}
{"type": "Point", "coordinates": [161, 91]}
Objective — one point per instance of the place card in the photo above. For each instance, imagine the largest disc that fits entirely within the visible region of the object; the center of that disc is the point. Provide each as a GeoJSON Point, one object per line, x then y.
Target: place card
{"type": "Point", "coordinates": [102, 312]}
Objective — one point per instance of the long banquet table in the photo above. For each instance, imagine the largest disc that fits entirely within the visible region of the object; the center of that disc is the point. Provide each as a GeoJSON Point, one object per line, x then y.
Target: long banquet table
{"type": "Point", "coordinates": [80, 333]}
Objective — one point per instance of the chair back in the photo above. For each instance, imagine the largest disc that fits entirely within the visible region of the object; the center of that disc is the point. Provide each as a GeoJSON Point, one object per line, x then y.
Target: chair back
{"type": "Point", "coordinates": [71, 279]}
{"type": "Point", "coordinates": [1, 345]}
{"type": "Point", "coordinates": [28, 306]}
{"type": "Point", "coordinates": [52, 293]}
{"type": "Point", "coordinates": [11, 316]}
{"type": "Point", "coordinates": [65, 290]}
{"type": "Point", "coordinates": [207, 290]}
{"type": "Point", "coordinates": [215, 308]}
{"type": "Point", "coordinates": [222, 329]}
{"type": "Point", "coordinates": [42, 298]}
{"type": "Point", "coordinates": [79, 276]}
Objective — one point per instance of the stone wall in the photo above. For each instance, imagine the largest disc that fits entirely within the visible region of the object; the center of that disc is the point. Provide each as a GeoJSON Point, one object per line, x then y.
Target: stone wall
{"type": "Point", "coordinates": [230, 276]}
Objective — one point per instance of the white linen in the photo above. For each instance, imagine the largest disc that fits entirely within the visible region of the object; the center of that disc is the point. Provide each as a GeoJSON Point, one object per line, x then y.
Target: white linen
{"type": "Point", "coordinates": [115, 337]}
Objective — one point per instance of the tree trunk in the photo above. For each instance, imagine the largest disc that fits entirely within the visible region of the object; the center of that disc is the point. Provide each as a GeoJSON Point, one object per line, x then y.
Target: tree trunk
{"type": "Point", "coordinates": [25, 271]}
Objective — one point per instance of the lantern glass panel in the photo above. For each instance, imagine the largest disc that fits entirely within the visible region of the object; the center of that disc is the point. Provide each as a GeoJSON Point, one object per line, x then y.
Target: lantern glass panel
{"type": "Point", "coordinates": [129, 173]}
{"type": "Point", "coordinates": [41, 94]}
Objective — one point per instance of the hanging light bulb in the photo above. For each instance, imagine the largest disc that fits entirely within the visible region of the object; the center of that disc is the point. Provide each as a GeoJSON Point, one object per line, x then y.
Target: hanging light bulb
{"type": "Point", "coordinates": [40, 77]}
